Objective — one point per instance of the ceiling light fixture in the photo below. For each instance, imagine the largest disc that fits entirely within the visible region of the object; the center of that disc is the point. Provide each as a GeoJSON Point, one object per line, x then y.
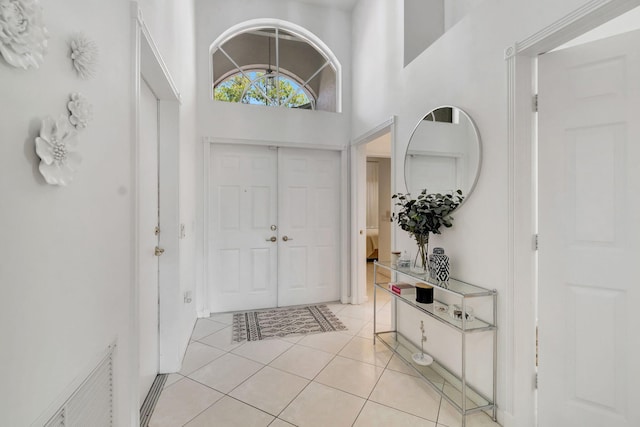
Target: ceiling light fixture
{"type": "Point", "coordinates": [270, 76]}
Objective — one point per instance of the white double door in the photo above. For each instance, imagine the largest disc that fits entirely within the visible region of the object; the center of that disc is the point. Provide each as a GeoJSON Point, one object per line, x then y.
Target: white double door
{"type": "Point", "coordinates": [589, 226]}
{"type": "Point", "coordinates": [274, 227]}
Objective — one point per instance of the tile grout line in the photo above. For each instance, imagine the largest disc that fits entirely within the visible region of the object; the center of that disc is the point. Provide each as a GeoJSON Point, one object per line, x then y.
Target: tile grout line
{"type": "Point", "coordinates": [325, 366]}
{"type": "Point", "coordinates": [312, 380]}
{"type": "Point", "coordinates": [221, 392]}
{"type": "Point", "coordinates": [384, 369]}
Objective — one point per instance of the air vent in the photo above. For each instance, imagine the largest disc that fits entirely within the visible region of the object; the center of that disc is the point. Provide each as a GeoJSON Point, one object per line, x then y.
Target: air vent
{"type": "Point", "coordinates": [146, 411]}
{"type": "Point", "coordinates": [57, 420]}
{"type": "Point", "coordinates": [92, 403]}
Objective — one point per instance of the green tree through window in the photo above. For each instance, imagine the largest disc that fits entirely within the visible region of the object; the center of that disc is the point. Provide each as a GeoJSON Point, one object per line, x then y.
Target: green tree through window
{"type": "Point", "coordinates": [260, 88]}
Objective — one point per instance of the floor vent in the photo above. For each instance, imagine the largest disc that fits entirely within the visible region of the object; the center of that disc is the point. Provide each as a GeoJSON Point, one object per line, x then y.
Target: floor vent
{"type": "Point", "coordinates": [92, 403]}
{"type": "Point", "coordinates": [152, 398]}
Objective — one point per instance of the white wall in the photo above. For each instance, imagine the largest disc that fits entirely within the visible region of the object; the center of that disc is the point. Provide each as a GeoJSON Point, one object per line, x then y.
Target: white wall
{"type": "Point", "coordinates": [228, 121]}
{"type": "Point", "coordinates": [66, 253]}
{"type": "Point", "coordinates": [465, 67]}
{"type": "Point", "coordinates": [424, 22]}
{"type": "Point", "coordinates": [455, 10]}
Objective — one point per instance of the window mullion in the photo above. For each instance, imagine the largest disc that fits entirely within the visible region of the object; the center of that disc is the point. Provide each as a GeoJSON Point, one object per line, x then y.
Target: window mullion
{"type": "Point", "coordinates": [307, 82]}
{"type": "Point", "coordinates": [235, 64]}
{"type": "Point", "coordinates": [278, 66]}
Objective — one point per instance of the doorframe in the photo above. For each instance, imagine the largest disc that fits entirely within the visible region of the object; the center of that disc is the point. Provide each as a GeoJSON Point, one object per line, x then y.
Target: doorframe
{"type": "Point", "coordinates": [358, 174]}
{"type": "Point", "coordinates": [202, 292]}
{"type": "Point", "coordinates": [149, 65]}
{"type": "Point", "coordinates": [519, 409]}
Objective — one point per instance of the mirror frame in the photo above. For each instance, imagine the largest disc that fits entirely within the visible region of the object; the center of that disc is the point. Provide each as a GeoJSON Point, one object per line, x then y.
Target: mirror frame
{"type": "Point", "coordinates": [478, 139]}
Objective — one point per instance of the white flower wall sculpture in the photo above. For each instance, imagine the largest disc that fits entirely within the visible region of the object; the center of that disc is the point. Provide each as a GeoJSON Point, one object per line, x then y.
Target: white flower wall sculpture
{"type": "Point", "coordinates": [84, 55]}
{"type": "Point", "coordinates": [81, 111]}
{"type": "Point", "coordinates": [56, 148]}
{"type": "Point", "coordinates": [23, 36]}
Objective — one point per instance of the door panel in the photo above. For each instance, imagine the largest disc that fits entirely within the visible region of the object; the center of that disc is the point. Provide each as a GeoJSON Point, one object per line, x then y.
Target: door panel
{"type": "Point", "coordinates": [298, 191]}
{"type": "Point", "coordinates": [148, 274]}
{"type": "Point", "coordinates": [243, 263]}
{"type": "Point", "coordinates": [589, 205]}
{"type": "Point", "coordinates": [309, 215]}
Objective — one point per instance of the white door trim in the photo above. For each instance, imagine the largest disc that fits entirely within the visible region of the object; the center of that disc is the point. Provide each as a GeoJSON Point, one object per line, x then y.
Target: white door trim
{"type": "Point", "coordinates": [202, 290]}
{"type": "Point", "coordinates": [263, 142]}
{"type": "Point", "coordinates": [357, 155]}
{"type": "Point", "coordinates": [202, 297]}
{"type": "Point", "coordinates": [148, 64]}
{"type": "Point", "coordinates": [520, 316]}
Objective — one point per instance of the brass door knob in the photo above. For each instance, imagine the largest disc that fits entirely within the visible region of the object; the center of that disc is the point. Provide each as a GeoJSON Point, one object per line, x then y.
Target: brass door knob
{"type": "Point", "coordinates": [272, 239]}
{"type": "Point", "coordinates": [159, 251]}
{"type": "Point", "coordinates": [286, 239]}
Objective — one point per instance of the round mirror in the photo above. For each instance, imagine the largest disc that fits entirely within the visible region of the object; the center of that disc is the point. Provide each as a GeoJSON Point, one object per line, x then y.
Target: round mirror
{"type": "Point", "coordinates": [443, 154]}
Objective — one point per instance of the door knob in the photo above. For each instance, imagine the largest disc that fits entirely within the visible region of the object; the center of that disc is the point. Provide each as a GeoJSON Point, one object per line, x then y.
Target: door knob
{"type": "Point", "coordinates": [158, 251]}
{"type": "Point", "coordinates": [272, 239]}
{"type": "Point", "coordinates": [286, 239]}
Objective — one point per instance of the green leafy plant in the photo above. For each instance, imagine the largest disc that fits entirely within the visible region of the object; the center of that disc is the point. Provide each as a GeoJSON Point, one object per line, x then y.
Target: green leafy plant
{"type": "Point", "coordinates": [427, 213]}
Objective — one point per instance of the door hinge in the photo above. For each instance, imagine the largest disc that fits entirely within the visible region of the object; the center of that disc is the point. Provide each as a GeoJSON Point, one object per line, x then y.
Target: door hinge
{"type": "Point", "coordinates": [535, 381]}
{"type": "Point", "coordinates": [535, 103]}
{"type": "Point", "coordinates": [535, 242]}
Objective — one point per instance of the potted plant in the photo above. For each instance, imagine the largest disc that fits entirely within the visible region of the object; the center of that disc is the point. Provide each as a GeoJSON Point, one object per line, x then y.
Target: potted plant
{"type": "Point", "coordinates": [423, 215]}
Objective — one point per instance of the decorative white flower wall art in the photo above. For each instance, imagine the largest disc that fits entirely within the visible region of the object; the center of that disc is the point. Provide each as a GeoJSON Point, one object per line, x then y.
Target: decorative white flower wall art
{"type": "Point", "coordinates": [81, 112]}
{"type": "Point", "coordinates": [84, 55]}
{"type": "Point", "coordinates": [23, 36]}
{"type": "Point", "coordinates": [56, 147]}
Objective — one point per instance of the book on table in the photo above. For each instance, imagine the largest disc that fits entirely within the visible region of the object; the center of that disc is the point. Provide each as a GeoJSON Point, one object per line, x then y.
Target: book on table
{"type": "Point", "coordinates": [401, 288]}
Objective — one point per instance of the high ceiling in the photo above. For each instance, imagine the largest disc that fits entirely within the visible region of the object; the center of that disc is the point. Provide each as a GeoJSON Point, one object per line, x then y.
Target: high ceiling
{"type": "Point", "coordinates": [342, 4]}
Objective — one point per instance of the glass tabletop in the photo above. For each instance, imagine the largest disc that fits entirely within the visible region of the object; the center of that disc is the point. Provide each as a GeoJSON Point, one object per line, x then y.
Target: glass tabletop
{"type": "Point", "coordinates": [452, 285]}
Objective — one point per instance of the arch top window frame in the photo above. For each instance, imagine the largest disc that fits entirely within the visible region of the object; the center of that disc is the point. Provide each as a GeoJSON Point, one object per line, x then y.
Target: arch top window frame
{"type": "Point", "coordinates": [279, 25]}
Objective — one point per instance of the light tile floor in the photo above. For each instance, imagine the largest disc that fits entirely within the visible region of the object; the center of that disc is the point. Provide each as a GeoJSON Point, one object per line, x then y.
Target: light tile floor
{"type": "Point", "coordinates": [326, 380]}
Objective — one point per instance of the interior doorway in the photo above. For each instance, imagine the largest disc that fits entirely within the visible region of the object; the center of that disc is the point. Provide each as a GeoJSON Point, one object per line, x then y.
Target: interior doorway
{"type": "Point", "coordinates": [588, 104]}
{"type": "Point", "coordinates": [521, 314]}
{"type": "Point", "coordinates": [158, 345]}
{"type": "Point", "coordinates": [148, 241]}
{"type": "Point", "coordinates": [372, 186]}
{"type": "Point", "coordinates": [378, 222]}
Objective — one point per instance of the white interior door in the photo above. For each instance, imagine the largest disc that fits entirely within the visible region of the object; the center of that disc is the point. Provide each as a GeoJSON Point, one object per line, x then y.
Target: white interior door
{"type": "Point", "coordinates": [243, 256]}
{"type": "Point", "coordinates": [148, 240]}
{"type": "Point", "coordinates": [309, 216]}
{"type": "Point", "coordinates": [589, 225]}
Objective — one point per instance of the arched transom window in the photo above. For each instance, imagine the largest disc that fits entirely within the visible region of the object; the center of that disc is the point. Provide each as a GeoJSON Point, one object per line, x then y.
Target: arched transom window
{"type": "Point", "coordinates": [275, 66]}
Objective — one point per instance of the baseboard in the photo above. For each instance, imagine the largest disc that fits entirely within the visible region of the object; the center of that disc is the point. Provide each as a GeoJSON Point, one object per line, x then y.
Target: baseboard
{"type": "Point", "coordinates": [505, 419]}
